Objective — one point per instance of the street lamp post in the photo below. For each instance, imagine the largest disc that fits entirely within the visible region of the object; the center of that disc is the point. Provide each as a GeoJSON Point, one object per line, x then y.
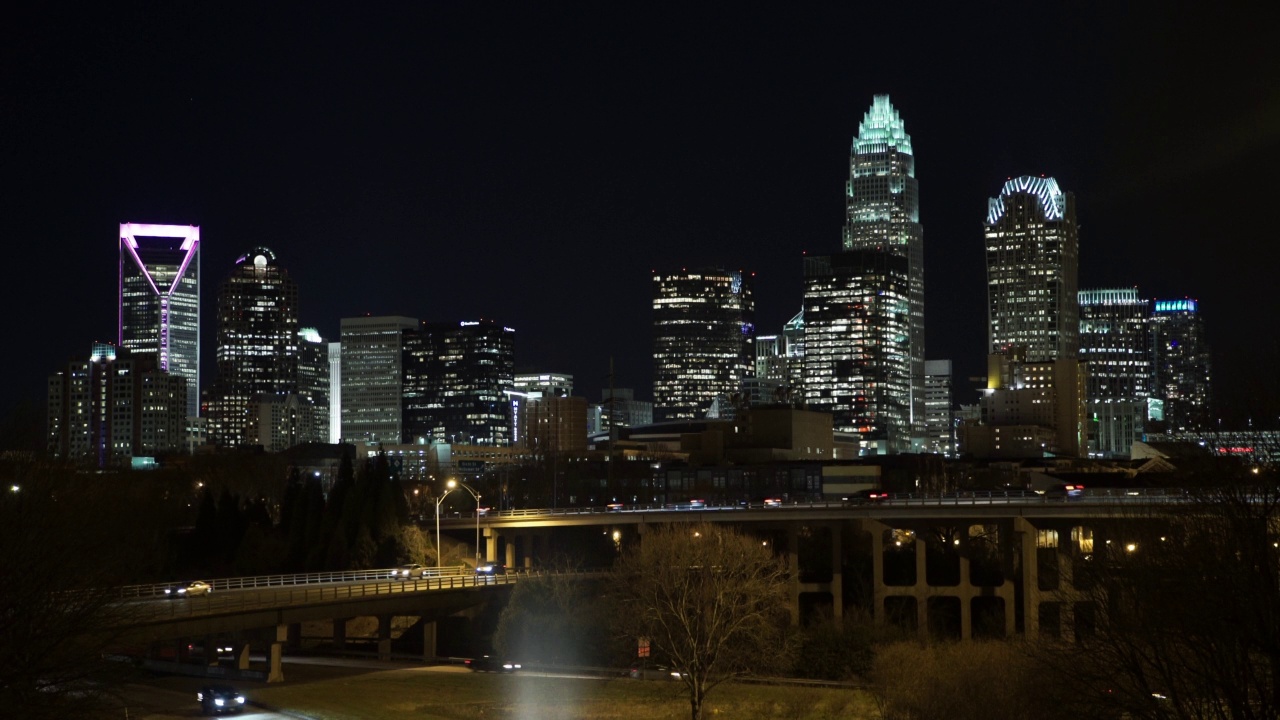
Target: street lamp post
{"type": "Point", "coordinates": [453, 485]}
{"type": "Point", "coordinates": [440, 500]}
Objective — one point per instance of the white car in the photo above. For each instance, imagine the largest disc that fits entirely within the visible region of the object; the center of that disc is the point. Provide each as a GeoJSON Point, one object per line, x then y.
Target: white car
{"type": "Point", "coordinates": [191, 589]}
{"type": "Point", "coordinates": [409, 572]}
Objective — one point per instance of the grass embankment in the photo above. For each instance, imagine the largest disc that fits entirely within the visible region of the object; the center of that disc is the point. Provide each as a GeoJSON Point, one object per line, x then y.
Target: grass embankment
{"type": "Point", "coordinates": [430, 695]}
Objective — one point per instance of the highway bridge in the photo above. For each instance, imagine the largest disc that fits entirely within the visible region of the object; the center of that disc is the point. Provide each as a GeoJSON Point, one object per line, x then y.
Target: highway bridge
{"type": "Point", "coordinates": [1031, 531]}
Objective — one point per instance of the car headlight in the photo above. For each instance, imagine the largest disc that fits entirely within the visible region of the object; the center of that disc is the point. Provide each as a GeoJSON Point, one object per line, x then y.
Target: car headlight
{"type": "Point", "coordinates": [240, 699]}
{"type": "Point", "coordinates": [218, 701]}
{"type": "Point", "coordinates": [199, 696]}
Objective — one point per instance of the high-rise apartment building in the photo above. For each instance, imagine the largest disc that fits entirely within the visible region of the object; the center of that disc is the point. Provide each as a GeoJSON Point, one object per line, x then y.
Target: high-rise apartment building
{"type": "Point", "coordinates": [703, 339]}
{"type": "Point", "coordinates": [1181, 367]}
{"type": "Point", "coordinates": [114, 407]}
{"type": "Point", "coordinates": [883, 215]}
{"type": "Point", "coordinates": [939, 408]}
{"type": "Point", "coordinates": [1032, 269]}
{"type": "Point", "coordinates": [257, 344]}
{"type": "Point", "coordinates": [857, 346]}
{"type": "Point", "coordinates": [372, 378]}
{"type": "Point", "coordinates": [314, 383]}
{"type": "Point", "coordinates": [1115, 345]}
{"type": "Point", "coordinates": [456, 378]}
{"type": "Point", "coordinates": [160, 299]}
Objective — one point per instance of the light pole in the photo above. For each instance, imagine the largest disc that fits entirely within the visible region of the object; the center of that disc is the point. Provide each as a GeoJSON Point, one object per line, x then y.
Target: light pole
{"type": "Point", "coordinates": [440, 500]}
{"type": "Point", "coordinates": [453, 485]}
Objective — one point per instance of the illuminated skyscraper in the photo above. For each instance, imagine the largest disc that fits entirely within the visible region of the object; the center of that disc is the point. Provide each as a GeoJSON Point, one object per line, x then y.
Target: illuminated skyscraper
{"type": "Point", "coordinates": [313, 381]}
{"type": "Point", "coordinates": [703, 339]}
{"type": "Point", "coordinates": [1032, 268]}
{"type": "Point", "coordinates": [1114, 342]}
{"type": "Point", "coordinates": [456, 378]}
{"type": "Point", "coordinates": [857, 346]}
{"type": "Point", "coordinates": [160, 299]}
{"type": "Point", "coordinates": [1180, 378]}
{"type": "Point", "coordinates": [257, 344]}
{"type": "Point", "coordinates": [372, 381]}
{"type": "Point", "coordinates": [883, 214]}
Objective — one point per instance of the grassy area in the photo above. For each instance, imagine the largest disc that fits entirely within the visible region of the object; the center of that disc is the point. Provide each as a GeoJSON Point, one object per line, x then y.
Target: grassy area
{"type": "Point", "coordinates": [428, 695]}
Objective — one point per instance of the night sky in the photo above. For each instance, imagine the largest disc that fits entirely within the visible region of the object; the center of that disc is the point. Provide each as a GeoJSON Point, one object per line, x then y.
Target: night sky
{"type": "Point", "coordinates": [534, 162]}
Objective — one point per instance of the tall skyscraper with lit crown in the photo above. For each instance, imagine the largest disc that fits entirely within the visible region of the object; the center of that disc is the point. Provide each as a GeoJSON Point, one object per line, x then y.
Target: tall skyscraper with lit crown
{"type": "Point", "coordinates": [883, 214]}
{"type": "Point", "coordinates": [257, 344]}
{"type": "Point", "coordinates": [160, 299]}
{"type": "Point", "coordinates": [1032, 270]}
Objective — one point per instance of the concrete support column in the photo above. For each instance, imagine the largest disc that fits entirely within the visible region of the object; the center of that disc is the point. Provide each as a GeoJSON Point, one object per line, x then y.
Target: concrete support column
{"type": "Point", "coordinates": [793, 570]}
{"type": "Point", "coordinates": [1026, 535]}
{"type": "Point", "coordinates": [276, 672]}
{"type": "Point", "coordinates": [429, 651]}
{"type": "Point", "coordinates": [242, 655]}
{"type": "Point", "coordinates": [837, 574]}
{"type": "Point", "coordinates": [967, 594]}
{"type": "Point", "coordinates": [490, 545]}
{"type": "Point", "coordinates": [878, 592]}
{"type": "Point", "coordinates": [922, 590]}
{"type": "Point", "coordinates": [340, 633]}
{"type": "Point", "coordinates": [384, 637]}
{"type": "Point", "coordinates": [510, 559]}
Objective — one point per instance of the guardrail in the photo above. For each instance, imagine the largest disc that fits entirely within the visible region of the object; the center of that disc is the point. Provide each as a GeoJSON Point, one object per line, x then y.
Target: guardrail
{"type": "Point", "coordinates": [1105, 496]}
{"type": "Point", "coordinates": [229, 603]}
{"type": "Point", "coordinates": [157, 590]}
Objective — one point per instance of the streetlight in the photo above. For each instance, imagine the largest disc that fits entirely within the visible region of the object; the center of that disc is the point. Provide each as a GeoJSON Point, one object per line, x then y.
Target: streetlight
{"type": "Point", "coordinates": [455, 484]}
{"type": "Point", "coordinates": [440, 500]}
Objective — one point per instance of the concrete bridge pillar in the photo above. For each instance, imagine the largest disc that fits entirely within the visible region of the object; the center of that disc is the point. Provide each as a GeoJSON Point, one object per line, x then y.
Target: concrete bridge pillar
{"type": "Point", "coordinates": [490, 545]}
{"type": "Point", "coordinates": [1025, 533]}
{"type": "Point", "coordinates": [966, 590]}
{"type": "Point", "coordinates": [429, 651]}
{"type": "Point", "coordinates": [241, 645]}
{"type": "Point", "coordinates": [276, 672]}
{"type": "Point", "coordinates": [878, 590]}
{"type": "Point", "coordinates": [340, 633]}
{"type": "Point", "coordinates": [793, 569]}
{"type": "Point", "coordinates": [510, 559]}
{"type": "Point", "coordinates": [837, 574]}
{"type": "Point", "coordinates": [921, 590]}
{"type": "Point", "coordinates": [384, 637]}
{"type": "Point", "coordinates": [211, 650]}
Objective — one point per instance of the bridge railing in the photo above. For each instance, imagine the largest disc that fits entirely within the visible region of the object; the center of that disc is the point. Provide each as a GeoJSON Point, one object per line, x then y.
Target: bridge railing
{"type": "Point", "coordinates": [260, 581]}
{"type": "Point", "coordinates": [271, 599]}
{"type": "Point", "coordinates": [965, 497]}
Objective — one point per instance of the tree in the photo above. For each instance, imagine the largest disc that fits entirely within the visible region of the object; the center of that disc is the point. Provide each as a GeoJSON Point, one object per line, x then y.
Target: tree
{"type": "Point", "coordinates": [710, 600]}
{"type": "Point", "coordinates": [1177, 613]}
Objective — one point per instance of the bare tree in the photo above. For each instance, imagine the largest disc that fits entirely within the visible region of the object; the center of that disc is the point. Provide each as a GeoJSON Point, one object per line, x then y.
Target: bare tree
{"type": "Point", "coordinates": [1177, 613]}
{"type": "Point", "coordinates": [710, 600]}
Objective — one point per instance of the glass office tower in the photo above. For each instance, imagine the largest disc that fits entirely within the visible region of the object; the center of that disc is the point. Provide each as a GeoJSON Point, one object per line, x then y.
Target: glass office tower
{"type": "Point", "coordinates": [703, 340]}
{"type": "Point", "coordinates": [1180, 365]}
{"type": "Point", "coordinates": [1114, 342]}
{"type": "Point", "coordinates": [1032, 269]}
{"type": "Point", "coordinates": [883, 214]}
{"type": "Point", "coordinates": [160, 299]}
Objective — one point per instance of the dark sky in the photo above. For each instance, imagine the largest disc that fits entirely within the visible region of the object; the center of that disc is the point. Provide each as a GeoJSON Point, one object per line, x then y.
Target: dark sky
{"type": "Point", "coordinates": [533, 162]}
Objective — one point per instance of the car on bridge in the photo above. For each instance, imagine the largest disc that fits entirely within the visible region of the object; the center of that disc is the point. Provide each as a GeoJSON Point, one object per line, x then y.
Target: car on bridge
{"type": "Point", "coordinates": [412, 571]}
{"type": "Point", "coordinates": [863, 497]}
{"type": "Point", "coordinates": [773, 502]}
{"type": "Point", "coordinates": [490, 569]}
{"type": "Point", "coordinates": [1064, 491]}
{"type": "Point", "coordinates": [218, 699]}
{"type": "Point", "coordinates": [188, 589]}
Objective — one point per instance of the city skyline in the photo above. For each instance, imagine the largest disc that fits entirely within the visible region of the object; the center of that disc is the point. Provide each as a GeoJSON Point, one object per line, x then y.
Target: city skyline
{"type": "Point", "coordinates": [461, 168]}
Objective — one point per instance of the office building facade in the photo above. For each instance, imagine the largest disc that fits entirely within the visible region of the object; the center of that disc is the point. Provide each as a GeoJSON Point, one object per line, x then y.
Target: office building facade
{"type": "Point", "coordinates": [257, 344]}
{"type": "Point", "coordinates": [1032, 269]}
{"type": "Point", "coordinates": [857, 346]}
{"type": "Point", "coordinates": [1181, 369]}
{"type": "Point", "coordinates": [372, 378]}
{"type": "Point", "coordinates": [114, 407]}
{"type": "Point", "coordinates": [939, 408]}
{"type": "Point", "coordinates": [314, 383]}
{"type": "Point", "coordinates": [1115, 346]}
{"type": "Point", "coordinates": [883, 215]}
{"type": "Point", "coordinates": [703, 339]}
{"type": "Point", "coordinates": [160, 299]}
{"type": "Point", "coordinates": [456, 382]}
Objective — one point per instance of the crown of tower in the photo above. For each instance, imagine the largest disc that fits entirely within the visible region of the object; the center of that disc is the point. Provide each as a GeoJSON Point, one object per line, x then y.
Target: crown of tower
{"type": "Point", "coordinates": [881, 128]}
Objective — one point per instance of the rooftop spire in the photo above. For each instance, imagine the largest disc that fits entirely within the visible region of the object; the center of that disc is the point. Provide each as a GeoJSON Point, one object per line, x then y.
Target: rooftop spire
{"type": "Point", "coordinates": [881, 129]}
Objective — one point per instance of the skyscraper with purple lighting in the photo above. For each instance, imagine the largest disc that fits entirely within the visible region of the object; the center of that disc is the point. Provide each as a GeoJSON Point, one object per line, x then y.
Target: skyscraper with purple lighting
{"type": "Point", "coordinates": [160, 299]}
